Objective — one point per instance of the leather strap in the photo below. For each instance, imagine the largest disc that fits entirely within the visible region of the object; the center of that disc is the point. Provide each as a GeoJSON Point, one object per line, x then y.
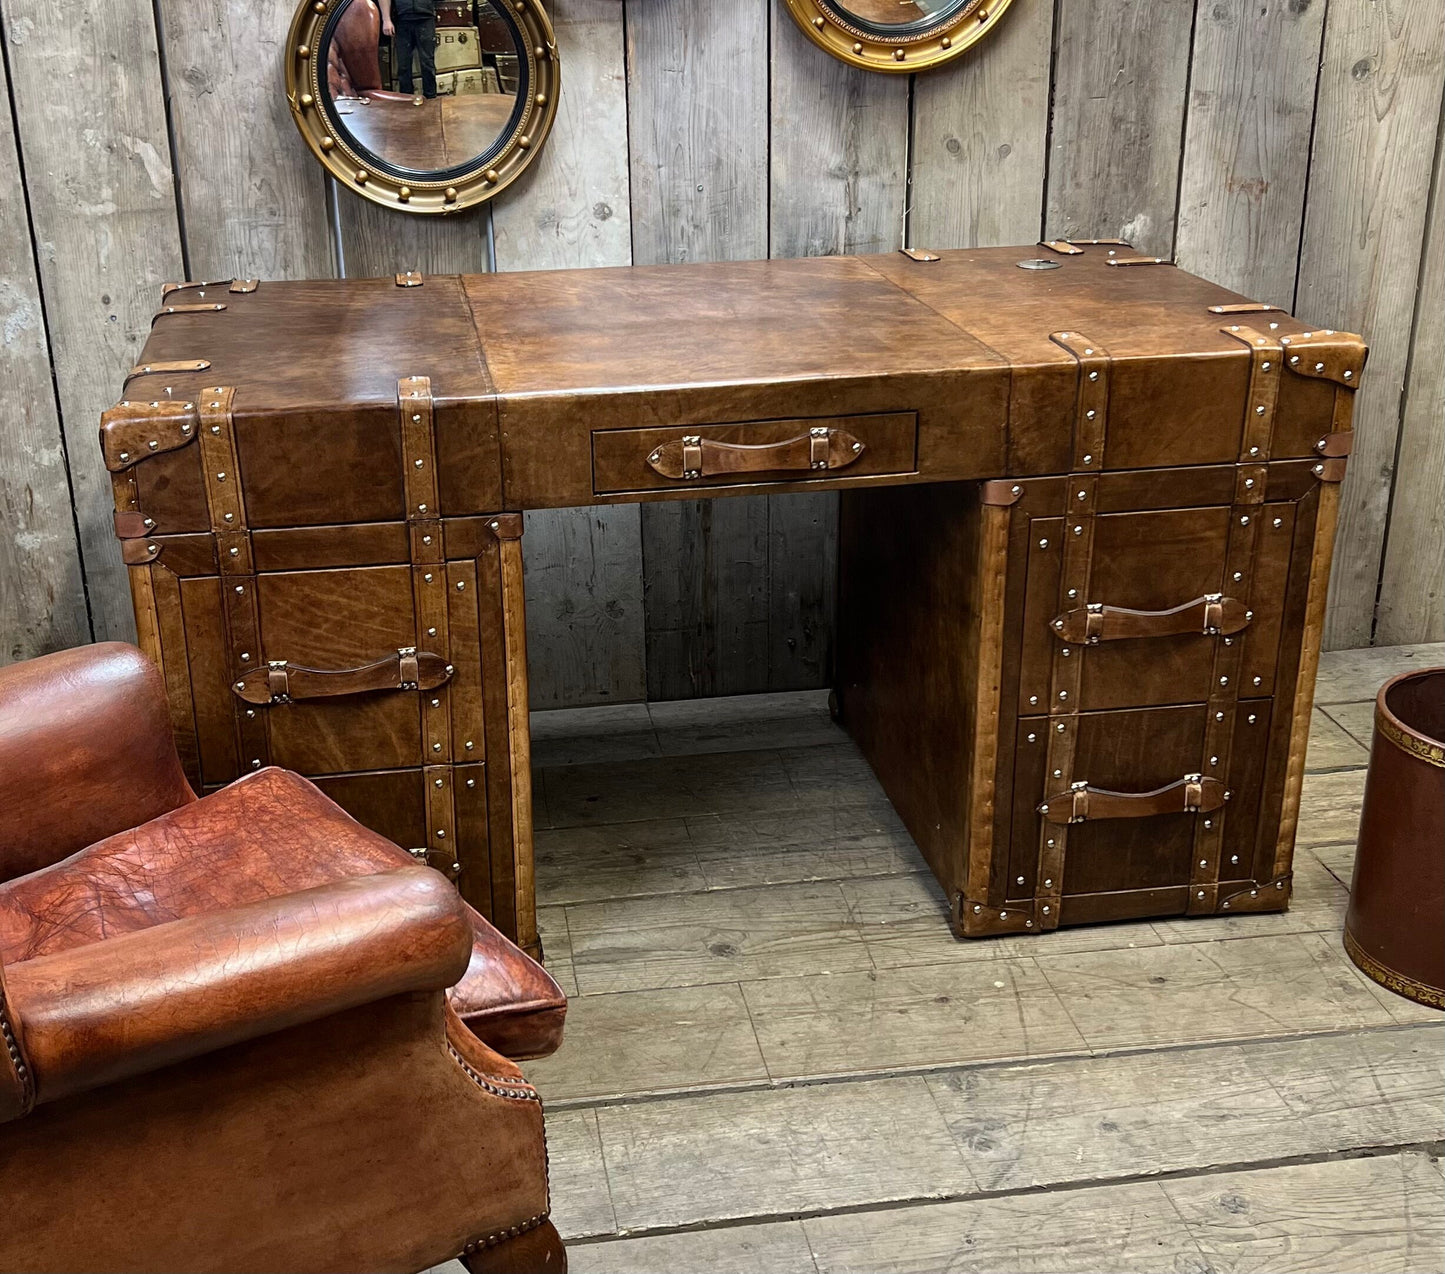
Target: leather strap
{"type": "Point", "coordinates": [1080, 502]}
{"type": "Point", "coordinates": [1193, 794]}
{"type": "Point", "coordinates": [1222, 718]}
{"type": "Point", "coordinates": [174, 365]}
{"type": "Point", "coordinates": [693, 456]}
{"type": "Point", "coordinates": [283, 682]}
{"type": "Point", "coordinates": [226, 501]}
{"type": "Point", "coordinates": [430, 593]}
{"type": "Point", "coordinates": [207, 307]}
{"type": "Point", "coordinates": [1094, 622]}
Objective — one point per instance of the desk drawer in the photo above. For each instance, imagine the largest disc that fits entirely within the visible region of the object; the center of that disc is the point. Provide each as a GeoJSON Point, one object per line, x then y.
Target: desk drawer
{"type": "Point", "coordinates": [749, 452]}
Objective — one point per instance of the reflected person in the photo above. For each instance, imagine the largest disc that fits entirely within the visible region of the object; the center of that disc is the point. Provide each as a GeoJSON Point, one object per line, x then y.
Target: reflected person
{"type": "Point", "coordinates": [414, 24]}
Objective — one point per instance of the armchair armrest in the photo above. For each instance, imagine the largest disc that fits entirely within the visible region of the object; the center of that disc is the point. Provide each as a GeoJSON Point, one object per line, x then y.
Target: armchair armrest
{"type": "Point", "coordinates": [99, 1013]}
{"type": "Point", "coordinates": [85, 751]}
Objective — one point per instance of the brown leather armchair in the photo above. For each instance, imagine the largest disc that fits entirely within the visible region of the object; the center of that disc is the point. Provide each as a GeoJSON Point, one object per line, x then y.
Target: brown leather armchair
{"type": "Point", "coordinates": [230, 1042]}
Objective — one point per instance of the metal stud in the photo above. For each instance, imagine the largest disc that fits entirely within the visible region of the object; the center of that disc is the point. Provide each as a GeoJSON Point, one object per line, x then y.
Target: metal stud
{"type": "Point", "coordinates": [1043, 544]}
{"type": "Point", "coordinates": [1049, 884]}
{"type": "Point", "coordinates": [468, 745]}
{"type": "Point", "coordinates": [1208, 823]}
{"type": "Point", "coordinates": [461, 584]}
{"type": "Point", "coordinates": [1278, 522]}
{"type": "Point", "coordinates": [1033, 738]}
{"type": "Point", "coordinates": [436, 747]}
{"type": "Point", "coordinates": [471, 782]}
{"type": "Point", "coordinates": [1200, 894]}
{"type": "Point", "coordinates": [1060, 728]}
{"type": "Point", "coordinates": [1046, 909]}
{"type": "Point", "coordinates": [1088, 459]}
{"type": "Point", "coordinates": [1251, 719]}
{"type": "Point", "coordinates": [1033, 699]}
{"type": "Point", "coordinates": [1058, 774]}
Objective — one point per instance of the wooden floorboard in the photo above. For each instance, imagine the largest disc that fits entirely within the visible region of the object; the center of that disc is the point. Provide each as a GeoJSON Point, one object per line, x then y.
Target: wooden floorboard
{"type": "Point", "coordinates": [779, 1058]}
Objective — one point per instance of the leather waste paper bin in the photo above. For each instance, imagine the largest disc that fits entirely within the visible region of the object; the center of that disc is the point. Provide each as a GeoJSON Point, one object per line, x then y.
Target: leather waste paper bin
{"type": "Point", "coordinates": [1395, 928]}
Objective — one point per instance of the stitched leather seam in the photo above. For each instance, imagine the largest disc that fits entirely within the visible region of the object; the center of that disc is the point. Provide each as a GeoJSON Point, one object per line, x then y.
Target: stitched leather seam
{"type": "Point", "coordinates": [496, 1084]}
{"type": "Point", "coordinates": [17, 1060]}
{"type": "Point", "coordinates": [501, 1236]}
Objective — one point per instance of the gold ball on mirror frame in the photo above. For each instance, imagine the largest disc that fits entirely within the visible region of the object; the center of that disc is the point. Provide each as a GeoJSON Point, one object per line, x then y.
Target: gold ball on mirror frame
{"type": "Point", "coordinates": [361, 176]}
{"type": "Point", "coordinates": [450, 194]}
{"type": "Point", "coordinates": [327, 143]}
{"type": "Point", "coordinates": [303, 51]}
{"type": "Point", "coordinates": [306, 99]}
{"type": "Point", "coordinates": [404, 193]}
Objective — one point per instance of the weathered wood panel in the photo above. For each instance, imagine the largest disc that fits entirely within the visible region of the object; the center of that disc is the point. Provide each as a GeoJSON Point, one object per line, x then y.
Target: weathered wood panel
{"type": "Point", "coordinates": [839, 151]}
{"type": "Point", "coordinates": [90, 120]}
{"type": "Point", "coordinates": [1247, 143]}
{"type": "Point", "coordinates": [837, 183]}
{"type": "Point", "coordinates": [698, 130]}
{"type": "Point", "coordinates": [583, 566]}
{"type": "Point", "coordinates": [42, 593]}
{"type": "Point", "coordinates": [571, 207]}
{"type": "Point", "coordinates": [377, 241]}
{"type": "Point", "coordinates": [979, 138]}
{"type": "Point", "coordinates": [698, 135]}
{"type": "Point", "coordinates": [1374, 147]}
{"type": "Point", "coordinates": [253, 197]}
{"type": "Point", "coordinates": [1119, 78]}
{"type": "Point", "coordinates": [1412, 607]}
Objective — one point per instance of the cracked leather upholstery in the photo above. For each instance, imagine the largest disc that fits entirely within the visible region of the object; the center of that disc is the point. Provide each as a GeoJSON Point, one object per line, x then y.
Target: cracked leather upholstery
{"type": "Point", "coordinates": [268, 834]}
{"type": "Point", "coordinates": [232, 1027]}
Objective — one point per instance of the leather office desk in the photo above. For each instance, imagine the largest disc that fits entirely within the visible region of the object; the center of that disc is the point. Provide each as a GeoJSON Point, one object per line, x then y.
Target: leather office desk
{"type": "Point", "coordinates": [1091, 622]}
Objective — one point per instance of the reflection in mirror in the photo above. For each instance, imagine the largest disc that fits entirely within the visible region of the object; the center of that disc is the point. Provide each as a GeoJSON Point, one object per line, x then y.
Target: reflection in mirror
{"type": "Point", "coordinates": [898, 13]}
{"type": "Point", "coordinates": [425, 89]}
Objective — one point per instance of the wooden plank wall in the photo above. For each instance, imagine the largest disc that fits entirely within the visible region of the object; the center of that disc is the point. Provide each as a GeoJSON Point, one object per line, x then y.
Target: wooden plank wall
{"type": "Point", "coordinates": [1287, 148]}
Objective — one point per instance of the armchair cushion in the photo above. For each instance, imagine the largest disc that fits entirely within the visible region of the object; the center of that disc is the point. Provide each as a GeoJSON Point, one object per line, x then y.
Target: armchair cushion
{"type": "Point", "coordinates": [99, 1013]}
{"type": "Point", "coordinates": [85, 750]}
{"type": "Point", "coordinates": [266, 835]}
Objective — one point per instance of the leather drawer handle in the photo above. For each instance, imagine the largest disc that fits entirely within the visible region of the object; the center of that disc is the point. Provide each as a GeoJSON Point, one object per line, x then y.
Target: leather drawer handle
{"type": "Point", "coordinates": [1211, 615]}
{"type": "Point", "coordinates": [693, 456]}
{"type": "Point", "coordinates": [1190, 795]}
{"type": "Point", "coordinates": [281, 682]}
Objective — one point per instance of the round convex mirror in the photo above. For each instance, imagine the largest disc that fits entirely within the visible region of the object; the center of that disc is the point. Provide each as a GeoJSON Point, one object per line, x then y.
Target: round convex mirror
{"type": "Point", "coordinates": [424, 105]}
{"type": "Point", "coordinates": [896, 35]}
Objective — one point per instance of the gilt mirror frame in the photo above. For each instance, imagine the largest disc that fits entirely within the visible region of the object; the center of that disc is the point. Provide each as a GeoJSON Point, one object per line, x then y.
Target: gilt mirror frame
{"type": "Point", "coordinates": [405, 192]}
{"type": "Point", "coordinates": [902, 48]}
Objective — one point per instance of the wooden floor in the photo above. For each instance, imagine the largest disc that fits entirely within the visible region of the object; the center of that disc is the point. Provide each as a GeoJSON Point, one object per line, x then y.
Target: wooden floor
{"type": "Point", "coordinates": [779, 1059]}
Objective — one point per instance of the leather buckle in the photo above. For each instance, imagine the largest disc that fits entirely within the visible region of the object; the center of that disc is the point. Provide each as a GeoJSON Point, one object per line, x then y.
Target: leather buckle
{"type": "Point", "coordinates": [692, 456]}
{"type": "Point", "coordinates": [278, 680]}
{"type": "Point", "coordinates": [818, 447]}
{"type": "Point", "coordinates": [1080, 810]}
{"type": "Point", "coordinates": [1213, 613]}
{"type": "Point", "coordinates": [408, 668]}
{"type": "Point", "coordinates": [1193, 793]}
{"type": "Point", "coordinates": [1093, 623]}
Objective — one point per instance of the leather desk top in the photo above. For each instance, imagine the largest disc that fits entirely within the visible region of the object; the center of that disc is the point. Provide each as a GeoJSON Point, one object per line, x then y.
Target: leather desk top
{"type": "Point", "coordinates": [536, 363]}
